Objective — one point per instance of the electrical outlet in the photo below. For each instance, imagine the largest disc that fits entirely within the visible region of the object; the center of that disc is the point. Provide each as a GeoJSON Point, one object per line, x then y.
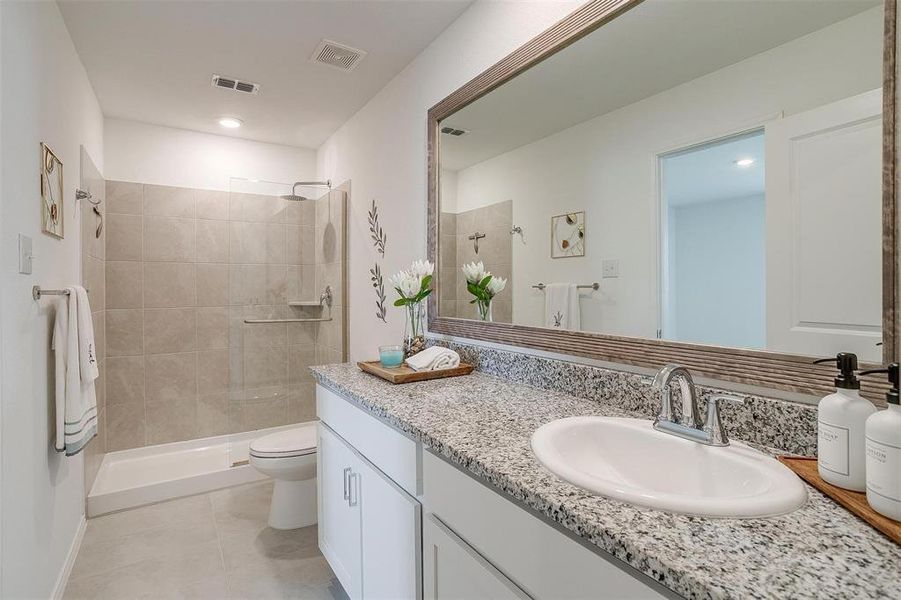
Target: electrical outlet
{"type": "Point", "coordinates": [25, 254]}
{"type": "Point", "coordinates": [610, 268]}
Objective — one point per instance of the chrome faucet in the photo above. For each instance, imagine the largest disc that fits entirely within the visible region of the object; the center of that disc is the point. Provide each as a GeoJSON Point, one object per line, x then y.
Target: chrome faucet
{"type": "Point", "coordinates": [689, 425]}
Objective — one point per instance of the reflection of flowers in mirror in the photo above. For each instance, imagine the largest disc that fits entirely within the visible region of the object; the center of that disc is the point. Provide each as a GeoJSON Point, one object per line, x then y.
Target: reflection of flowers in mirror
{"type": "Point", "coordinates": [496, 285]}
{"type": "Point", "coordinates": [483, 286]}
{"type": "Point", "coordinates": [474, 272]}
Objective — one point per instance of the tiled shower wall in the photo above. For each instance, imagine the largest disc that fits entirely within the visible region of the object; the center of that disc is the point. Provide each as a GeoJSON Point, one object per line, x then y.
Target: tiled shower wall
{"type": "Point", "coordinates": [184, 268]}
{"type": "Point", "coordinates": [93, 258]}
{"type": "Point", "coordinates": [495, 251]}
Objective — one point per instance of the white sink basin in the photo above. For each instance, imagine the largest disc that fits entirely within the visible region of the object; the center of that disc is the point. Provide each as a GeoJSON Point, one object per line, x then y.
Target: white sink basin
{"type": "Point", "coordinates": [628, 460]}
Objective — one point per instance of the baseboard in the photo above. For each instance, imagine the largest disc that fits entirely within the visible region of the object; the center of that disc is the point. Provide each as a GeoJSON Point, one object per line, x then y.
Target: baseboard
{"type": "Point", "coordinates": [60, 588]}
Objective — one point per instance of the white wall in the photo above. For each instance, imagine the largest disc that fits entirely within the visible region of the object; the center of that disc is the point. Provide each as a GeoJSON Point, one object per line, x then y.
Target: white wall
{"type": "Point", "coordinates": [607, 167]}
{"type": "Point", "coordinates": [447, 182]}
{"type": "Point", "coordinates": [146, 153]}
{"type": "Point", "coordinates": [717, 254]}
{"type": "Point", "coordinates": [46, 97]}
{"type": "Point", "coordinates": [382, 149]}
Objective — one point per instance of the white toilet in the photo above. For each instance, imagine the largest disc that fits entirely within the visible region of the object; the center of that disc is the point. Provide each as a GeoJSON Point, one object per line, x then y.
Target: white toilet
{"type": "Point", "coordinates": [289, 457]}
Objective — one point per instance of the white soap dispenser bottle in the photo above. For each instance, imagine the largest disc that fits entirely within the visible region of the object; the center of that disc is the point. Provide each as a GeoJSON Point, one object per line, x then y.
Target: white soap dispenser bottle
{"type": "Point", "coordinates": [841, 420]}
{"type": "Point", "coordinates": [883, 448]}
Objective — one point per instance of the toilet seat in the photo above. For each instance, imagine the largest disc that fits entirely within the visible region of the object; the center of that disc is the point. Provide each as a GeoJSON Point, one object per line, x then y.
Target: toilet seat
{"type": "Point", "coordinates": [299, 441]}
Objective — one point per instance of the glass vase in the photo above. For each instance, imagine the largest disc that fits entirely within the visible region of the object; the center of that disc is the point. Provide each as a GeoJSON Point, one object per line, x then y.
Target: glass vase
{"type": "Point", "coordinates": [484, 310]}
{"type": "Point", "coordinates": [414, 329]}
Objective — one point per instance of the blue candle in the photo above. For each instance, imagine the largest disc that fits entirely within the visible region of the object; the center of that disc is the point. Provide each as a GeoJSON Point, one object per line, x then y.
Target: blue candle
{"type": "Point", "coordinates": [391, 356]}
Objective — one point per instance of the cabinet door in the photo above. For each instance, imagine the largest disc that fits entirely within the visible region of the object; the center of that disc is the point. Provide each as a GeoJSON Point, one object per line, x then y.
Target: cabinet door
{"type": "Point", "coordinates": [453, 570]}
{"type": "Point", "coordinates": [391, 536]}
{"type": "Point", "coordinates": [339, 520]}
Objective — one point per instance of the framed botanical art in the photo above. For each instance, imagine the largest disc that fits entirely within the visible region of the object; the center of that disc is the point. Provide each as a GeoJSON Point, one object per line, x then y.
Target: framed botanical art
{"type": "Point", "coordinates": [568, 235]}
{"type": "Point", "coordinates": [52, 221]}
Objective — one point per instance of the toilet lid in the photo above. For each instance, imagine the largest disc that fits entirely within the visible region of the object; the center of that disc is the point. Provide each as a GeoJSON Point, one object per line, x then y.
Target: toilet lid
{"type": "Point", "coordinates": [291, 442]}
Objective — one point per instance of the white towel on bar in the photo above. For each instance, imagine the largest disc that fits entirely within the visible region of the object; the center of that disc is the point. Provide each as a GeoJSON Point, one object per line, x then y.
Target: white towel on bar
{"type": "Point", "coordinates": [561, 306]}
{"type": "Point", "coordinates": [433, 359]}
{"type": "Point", "coordinates": [76, 370]}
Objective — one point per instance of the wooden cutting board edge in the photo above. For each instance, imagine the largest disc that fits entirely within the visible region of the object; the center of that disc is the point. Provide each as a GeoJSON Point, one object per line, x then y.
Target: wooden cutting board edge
{"type": "Point", "coordinates": [853, 502]}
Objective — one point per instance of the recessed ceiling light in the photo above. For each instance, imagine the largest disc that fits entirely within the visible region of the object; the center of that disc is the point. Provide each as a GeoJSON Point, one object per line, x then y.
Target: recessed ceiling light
{"type": "Point", "coordinates": [230, 122]}
{"type": "Point", "coordinates": [744, 163]}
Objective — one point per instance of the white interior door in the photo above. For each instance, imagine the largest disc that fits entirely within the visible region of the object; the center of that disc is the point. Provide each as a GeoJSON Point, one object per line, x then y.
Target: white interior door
{"type": "Point", "coordinates": [824, 229]}
{"type": "Point", "coordinates": [339, 512]}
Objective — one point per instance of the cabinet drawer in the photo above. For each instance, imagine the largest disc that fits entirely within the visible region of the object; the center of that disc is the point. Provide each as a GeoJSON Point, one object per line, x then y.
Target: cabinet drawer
{"type": "Point", "coordinates": [539, 559]}
{"type": "Point", "coordinates": [454, 570]}
{"type": "Point", "coordinates": [392, 452]}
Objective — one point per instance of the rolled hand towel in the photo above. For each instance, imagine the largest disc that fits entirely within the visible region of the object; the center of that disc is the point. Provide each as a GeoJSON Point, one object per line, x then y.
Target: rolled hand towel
{"type": "Point", "coordinates": [433, 359]}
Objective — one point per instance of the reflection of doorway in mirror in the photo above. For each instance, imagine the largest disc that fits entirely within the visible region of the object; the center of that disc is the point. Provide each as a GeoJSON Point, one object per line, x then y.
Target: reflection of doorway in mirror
{"type": "Point", "coordinates": [568, 235]}
{"type": "Point", "coordinates": [713, 248]}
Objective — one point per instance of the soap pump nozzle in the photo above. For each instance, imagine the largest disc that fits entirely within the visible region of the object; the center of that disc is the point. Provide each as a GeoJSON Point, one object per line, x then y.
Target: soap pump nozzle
{"type": "Point", "coordinates": [846, 362]}
{"type": "Point", "coordinates": [892, 395]}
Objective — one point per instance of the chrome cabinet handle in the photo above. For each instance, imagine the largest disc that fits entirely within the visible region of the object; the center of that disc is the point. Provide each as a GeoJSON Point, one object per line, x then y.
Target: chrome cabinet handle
{"type": "Point", "coordinates": [353, 498]}
{"type": "Point", "coordinates": [346, 473]}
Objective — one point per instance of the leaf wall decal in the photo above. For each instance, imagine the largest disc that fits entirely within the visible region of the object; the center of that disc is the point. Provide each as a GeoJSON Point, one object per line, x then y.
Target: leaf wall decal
{"type": "Point", "coordinates": [378, 284]}
{"type": "Point", "coordinates": [378, 235]}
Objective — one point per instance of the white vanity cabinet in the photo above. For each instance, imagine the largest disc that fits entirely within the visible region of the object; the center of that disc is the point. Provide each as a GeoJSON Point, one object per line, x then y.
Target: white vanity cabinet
{"type": "Point", "coordinates": [397, 522]}
{"type": "Point", "coordinates": [339, 518]}
{"type": "Point", "coordinates": [369, 526]}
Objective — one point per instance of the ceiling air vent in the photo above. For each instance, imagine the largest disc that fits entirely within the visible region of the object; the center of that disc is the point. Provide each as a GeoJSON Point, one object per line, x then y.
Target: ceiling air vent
{"type": "Point", "coordinates": [337, 55]}
{"type": "Point", "coordinates": [230, 83]}
{"type": "Point", "coordinates": [452, 131]}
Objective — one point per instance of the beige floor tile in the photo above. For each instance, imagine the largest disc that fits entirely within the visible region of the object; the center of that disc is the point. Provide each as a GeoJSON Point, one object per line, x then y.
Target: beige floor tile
{"type": "Point", "coordinates": [194, 574]}
{"type": "Point", "coordinates": [211, 546]}
{"type": "Point", "coordinates": [303, 579]}
{"type": "Point", "coordinates": [174, 512]}
{"type": "Point", "coordinates": [270, 548]}
{"type": "Point", "coordinates": [243, 509]}
{"type": "Point", "coordinates": [177, 541]}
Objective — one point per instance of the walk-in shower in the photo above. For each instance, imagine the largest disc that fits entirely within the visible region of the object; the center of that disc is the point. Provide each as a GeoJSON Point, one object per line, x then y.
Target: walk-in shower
{"type": "Point", "coordinates": [265, 300]}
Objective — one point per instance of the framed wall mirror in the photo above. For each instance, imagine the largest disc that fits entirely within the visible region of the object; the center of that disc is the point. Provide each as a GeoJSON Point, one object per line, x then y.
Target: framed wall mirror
{"type": "Point", "coordinates": [710, 183]}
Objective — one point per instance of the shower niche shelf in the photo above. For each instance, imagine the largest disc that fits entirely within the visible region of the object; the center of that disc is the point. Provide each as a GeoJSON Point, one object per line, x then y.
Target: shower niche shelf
{"type": "Point", "coordinates": [305, 304]}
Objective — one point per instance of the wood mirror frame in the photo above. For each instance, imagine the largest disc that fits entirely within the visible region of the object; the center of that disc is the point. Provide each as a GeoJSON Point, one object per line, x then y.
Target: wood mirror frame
{"type": "Point", "coordinates": [762, 368]}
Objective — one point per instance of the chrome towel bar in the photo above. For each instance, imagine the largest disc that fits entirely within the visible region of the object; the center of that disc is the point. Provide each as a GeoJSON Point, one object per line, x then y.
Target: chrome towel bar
{"type": "Point", "coordinates": [37, 292]}
{"type": "Point", "coordinates": [595, 286]}
{"type": "Point", "coordinates": [287, 320]}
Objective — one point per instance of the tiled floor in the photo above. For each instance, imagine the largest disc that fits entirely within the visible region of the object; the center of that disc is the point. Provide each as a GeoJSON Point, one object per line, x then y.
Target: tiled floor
{"type": "Point", "coordinates": [212, 546]}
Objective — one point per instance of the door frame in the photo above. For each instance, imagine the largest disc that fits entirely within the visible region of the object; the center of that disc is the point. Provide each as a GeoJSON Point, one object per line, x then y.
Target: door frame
{"type": "Point", "coordinates": [660, 209]}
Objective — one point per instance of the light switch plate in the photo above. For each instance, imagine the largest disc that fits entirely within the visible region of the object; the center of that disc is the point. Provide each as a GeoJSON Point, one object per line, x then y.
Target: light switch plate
{"type": "Point", "coordinates": [610, 268]}
{"type": "Point", "coordinates": [25, 255]}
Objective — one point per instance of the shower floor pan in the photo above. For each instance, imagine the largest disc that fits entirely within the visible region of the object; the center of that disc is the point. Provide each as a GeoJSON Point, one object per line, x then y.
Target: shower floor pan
{"type": "Point", "coordinates": [130, 478]}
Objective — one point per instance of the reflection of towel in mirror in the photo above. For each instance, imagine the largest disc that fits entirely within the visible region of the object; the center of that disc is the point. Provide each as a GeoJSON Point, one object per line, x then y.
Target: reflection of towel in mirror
{"type": "Point", "coordinates": [76, 370]}
{"type": "Point", "coordinates": [561, 306]}
{"type": "Point", "coordinates": [433, 359]}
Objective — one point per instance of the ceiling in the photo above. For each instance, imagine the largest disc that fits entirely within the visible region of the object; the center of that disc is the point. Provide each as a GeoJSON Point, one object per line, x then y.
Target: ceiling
{"type": "Point", "coordinates": [152, 60]}
{"type": "Point", "coordinates": [709, 173]}
{"type": "Point", "coordinates": [647, 50]}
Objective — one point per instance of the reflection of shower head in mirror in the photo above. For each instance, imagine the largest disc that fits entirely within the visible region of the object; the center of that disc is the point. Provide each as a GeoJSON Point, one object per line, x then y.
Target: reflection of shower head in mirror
{"type": "Point", "coordinates": [295, 197]}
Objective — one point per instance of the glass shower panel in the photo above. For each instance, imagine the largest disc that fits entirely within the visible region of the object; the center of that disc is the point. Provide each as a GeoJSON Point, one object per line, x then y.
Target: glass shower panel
{"type": "Point", "coordinates": [282, 255]}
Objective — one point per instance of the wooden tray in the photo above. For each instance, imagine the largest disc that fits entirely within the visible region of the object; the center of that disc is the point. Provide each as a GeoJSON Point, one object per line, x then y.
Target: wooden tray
{"type": "Point", "coordinates": [856, 502]}
{"type": "Point", "coordinates": [404, 374]}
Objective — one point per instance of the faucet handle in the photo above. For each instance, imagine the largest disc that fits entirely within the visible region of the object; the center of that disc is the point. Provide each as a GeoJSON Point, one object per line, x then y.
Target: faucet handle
{"type": "Point", "coordinates": [713, 425]}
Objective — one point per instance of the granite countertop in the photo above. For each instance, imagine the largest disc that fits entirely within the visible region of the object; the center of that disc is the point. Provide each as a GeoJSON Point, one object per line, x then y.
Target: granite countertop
{"type": "Point", "coordinates": [484, 424]}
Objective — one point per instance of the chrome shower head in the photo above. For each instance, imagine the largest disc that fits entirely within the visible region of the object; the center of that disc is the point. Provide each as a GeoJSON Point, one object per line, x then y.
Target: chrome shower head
{"type": "Point", "coordinates": [295, 197]}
